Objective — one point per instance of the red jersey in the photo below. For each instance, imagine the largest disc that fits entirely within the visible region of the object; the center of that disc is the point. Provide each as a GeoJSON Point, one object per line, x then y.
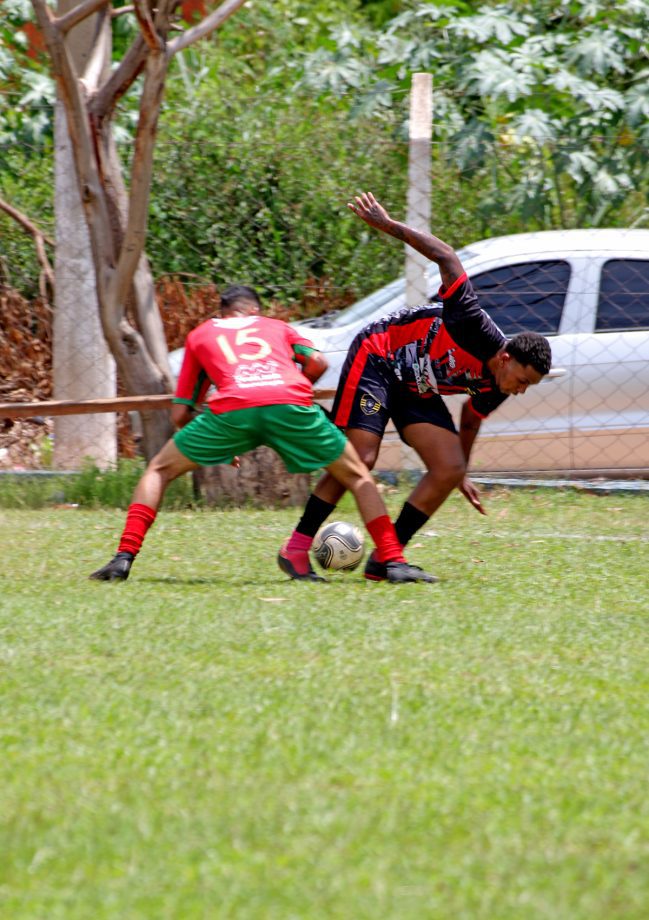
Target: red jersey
{"type": "Point", "coordinates": [249, 359]}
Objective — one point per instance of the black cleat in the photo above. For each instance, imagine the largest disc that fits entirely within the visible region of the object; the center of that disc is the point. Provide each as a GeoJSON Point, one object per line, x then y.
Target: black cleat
{"type": "Point", "coordinates": [400, 572]}
{"type": "Point", "coordinates": [374, 570]}
{"type": "Point", "coordinates": [115, 570]}
{"type": "Point", "coordinates": [286, 565]}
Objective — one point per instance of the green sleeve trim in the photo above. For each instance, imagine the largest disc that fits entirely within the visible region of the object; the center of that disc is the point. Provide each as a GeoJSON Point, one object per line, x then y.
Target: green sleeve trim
{"type": "Point", "coordinates": [304, 350]}
{"type": "Point", "coordinates": [184, 402]}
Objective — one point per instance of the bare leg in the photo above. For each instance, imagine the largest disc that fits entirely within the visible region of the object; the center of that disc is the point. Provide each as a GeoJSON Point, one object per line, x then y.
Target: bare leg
{"type": "Point", "coordinates": [166, 466]}
{"type": "Point", "coordinates": [366, 444]}
{"type": "Point", "coordinates": [349, 472]}
{"type": "Point", "coordinates": [445, 464]}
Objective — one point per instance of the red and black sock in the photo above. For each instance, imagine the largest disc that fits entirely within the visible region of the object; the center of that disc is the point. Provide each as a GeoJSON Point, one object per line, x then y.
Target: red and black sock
{"type": "Point", "coordinates": [138, 520]}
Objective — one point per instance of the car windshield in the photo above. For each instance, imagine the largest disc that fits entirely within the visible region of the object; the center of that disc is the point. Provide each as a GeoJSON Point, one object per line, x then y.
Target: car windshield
{"type": "Point", "coordinates": [373, 302]}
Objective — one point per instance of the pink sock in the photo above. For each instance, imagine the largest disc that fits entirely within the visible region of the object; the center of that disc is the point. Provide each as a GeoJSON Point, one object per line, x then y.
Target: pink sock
{"type": "Point", "coordinates": [298, 543]}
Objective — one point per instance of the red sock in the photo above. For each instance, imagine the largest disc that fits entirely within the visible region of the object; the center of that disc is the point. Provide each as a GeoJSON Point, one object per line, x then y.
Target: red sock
{"type": "Point", "coordinates": [138, 520]}
{"type": "Point", "coordinates": [298, 542]}
{"type": "Point", "coordinates": [388, 548]}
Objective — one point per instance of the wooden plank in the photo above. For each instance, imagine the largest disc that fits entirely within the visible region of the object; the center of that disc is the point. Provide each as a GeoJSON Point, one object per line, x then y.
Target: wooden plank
{"type": "Point", "coordinates": [92, 406]}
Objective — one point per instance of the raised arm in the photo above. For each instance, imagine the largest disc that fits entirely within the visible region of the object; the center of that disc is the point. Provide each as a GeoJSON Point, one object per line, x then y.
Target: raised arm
{"type": "Point", "coordinates": [368, 209]}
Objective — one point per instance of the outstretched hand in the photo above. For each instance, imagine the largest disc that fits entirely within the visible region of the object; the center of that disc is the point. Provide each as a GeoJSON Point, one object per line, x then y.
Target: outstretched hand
{"type": "Point", "coordinates": [369, 210]}
{"type": "Point", "coordinates": [471, 494]}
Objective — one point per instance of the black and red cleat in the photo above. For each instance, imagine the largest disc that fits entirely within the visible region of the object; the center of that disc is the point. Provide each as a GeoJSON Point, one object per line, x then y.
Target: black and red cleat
{"type": "Point", "coordinates": [115, 570]}
{"type": "Point", "coordinates": [297, 565]}
{"type": "Point", "coordinates": [400, 572]}
{"type": "Point", "coordinates": [375, 570]}
{"type": "Point", "coordinates": [395, 572]}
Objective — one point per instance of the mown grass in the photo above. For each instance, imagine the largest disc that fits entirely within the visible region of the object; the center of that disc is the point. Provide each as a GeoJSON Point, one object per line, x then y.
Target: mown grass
{"type": "Point", "coordinates": [210, 740]}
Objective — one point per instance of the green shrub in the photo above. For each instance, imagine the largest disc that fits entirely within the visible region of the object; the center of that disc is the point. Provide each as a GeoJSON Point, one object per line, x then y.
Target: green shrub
{"type": "Point", "coordinates": [90, 488]}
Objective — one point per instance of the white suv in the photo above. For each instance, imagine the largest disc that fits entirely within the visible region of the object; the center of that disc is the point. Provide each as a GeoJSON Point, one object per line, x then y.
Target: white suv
{"type": "Point", "coordinates": [588, 292]}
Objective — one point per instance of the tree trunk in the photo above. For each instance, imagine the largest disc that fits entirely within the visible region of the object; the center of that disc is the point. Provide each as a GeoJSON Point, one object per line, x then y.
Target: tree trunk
{"type": "Point", "coordinates": [83, 366]}
{"type": "Point", "coordinates": [261, 481]}
{"type": "Point", "coordinates": [90, 90]}
{"type": "Point", "coordinates": [143, 308]}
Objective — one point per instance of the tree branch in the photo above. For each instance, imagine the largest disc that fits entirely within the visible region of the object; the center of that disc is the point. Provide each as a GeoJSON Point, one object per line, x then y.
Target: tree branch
{"type": "Point", "coordinates": [39, 240]}
{"type": "Point", "coordinates": [124, 75]}
{"type": "Point", "coordinates": [79, 13]}
{"type": "Point", "coordinates": [141, 171]}
{"type": "Point", "coordinates": [99, 60]}
{"type": "Point", "coordinates": [104, 101]}
{"type": "Point", "coordinates": [151, 37]}
{"type": "Point", "coordinates": [204, 28]}
{"type": "Point", "coordinates": [24, 222]}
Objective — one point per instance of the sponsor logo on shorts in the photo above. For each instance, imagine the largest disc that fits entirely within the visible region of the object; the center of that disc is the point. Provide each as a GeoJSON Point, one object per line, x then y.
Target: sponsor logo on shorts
{"type": "Point", "coordinates": [369, 405]}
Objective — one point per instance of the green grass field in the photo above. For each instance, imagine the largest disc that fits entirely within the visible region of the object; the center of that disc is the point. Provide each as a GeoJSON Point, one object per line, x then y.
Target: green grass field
{"type": "Point", "coordinates": [210, 740]}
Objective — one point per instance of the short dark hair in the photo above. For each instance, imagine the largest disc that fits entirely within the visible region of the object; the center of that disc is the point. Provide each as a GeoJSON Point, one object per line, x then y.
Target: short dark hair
{"type": "Point", "coordinates": [531, 348]}
{"type": "Point", "coordinates": [238, 292]}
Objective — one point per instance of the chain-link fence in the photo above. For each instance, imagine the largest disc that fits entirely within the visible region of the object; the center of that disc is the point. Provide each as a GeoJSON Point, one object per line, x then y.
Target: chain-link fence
{"type": "Point", "coordinates": [266, 220]}
{"type": "Point", "coordinates": [587, 291]}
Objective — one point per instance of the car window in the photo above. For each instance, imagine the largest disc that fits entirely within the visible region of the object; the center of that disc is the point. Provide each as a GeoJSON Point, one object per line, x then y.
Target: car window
{"type": "Point", "coordinates": [624, 295]}
{"type": "Point", "coordinates": [528, 297]}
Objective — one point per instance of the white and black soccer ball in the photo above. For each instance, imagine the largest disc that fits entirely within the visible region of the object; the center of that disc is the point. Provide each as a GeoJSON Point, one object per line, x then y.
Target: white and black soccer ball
{"type": "Point", "coordinates": [339, 546]}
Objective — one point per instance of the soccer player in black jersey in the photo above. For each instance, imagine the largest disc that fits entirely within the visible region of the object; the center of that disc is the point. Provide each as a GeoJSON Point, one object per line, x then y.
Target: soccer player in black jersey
{"type": "Point", "coordinates": [401, 366]}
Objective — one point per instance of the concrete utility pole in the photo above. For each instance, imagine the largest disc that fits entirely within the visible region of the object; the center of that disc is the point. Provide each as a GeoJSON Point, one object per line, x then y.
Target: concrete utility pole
{"type": "Point", "coordinates": [83, 365]}
{"type": "Point", "coordinates": [419, 182]}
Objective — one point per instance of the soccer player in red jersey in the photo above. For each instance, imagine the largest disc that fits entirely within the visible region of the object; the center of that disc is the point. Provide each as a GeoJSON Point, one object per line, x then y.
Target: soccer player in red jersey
{"type": "Point", "coordinates": [401, 366]}
{"type": "Point", "coordinates": [261, 397]}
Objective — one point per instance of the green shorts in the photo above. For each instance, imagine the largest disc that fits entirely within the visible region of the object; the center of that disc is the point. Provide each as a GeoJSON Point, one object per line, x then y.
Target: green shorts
{"type": "Point", "coordinates": [303, 436]}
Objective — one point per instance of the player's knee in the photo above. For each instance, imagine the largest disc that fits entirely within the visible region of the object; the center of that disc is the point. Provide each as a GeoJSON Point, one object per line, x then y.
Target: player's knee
{"type": "Point", "coordinates": [449, 475]}
{"type": "Point", "coordinates": [455, 473]}
{"type": "Point", "coordinates": [164, 467]}
{"type": "Point", "coordinates": [368, 456]}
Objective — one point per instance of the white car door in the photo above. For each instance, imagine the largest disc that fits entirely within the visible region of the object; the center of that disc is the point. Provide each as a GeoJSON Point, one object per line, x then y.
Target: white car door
{"type": "Point", "coordinates": [529, 432]}
{"type": "Point", "coordinates": [611, 373]}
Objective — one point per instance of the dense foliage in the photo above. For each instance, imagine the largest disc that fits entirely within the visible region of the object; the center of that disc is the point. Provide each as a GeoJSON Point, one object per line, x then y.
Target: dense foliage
{"type": "Point", "coordinates": [548, 101]}
{"type": "Point", "coordinates": [541, 114]}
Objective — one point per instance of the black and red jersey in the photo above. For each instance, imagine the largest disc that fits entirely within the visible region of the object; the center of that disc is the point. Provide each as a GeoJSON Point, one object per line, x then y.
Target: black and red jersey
{"type": "Point", "coordinates": [436, 348]}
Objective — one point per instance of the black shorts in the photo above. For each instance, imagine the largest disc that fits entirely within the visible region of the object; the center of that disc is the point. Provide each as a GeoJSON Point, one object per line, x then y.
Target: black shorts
{"type": "Point", "coordinates": [371, 399]}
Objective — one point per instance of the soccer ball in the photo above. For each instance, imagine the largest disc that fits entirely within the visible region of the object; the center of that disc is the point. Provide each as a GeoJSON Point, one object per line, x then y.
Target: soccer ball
{"type": "Point", "coordinates": [339, 546]}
